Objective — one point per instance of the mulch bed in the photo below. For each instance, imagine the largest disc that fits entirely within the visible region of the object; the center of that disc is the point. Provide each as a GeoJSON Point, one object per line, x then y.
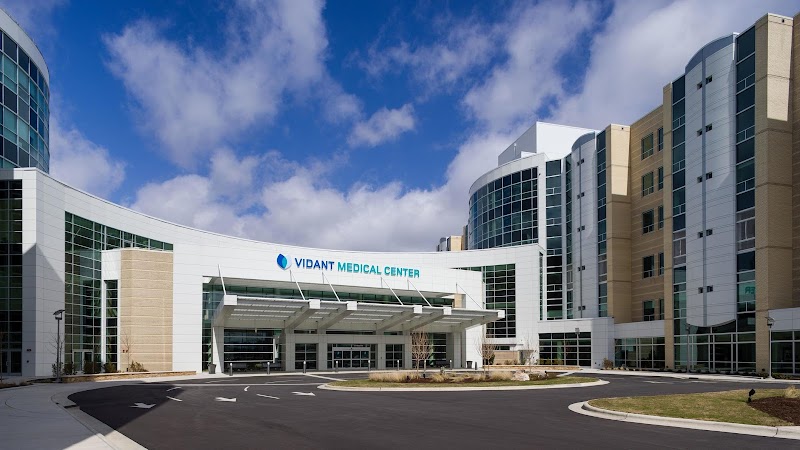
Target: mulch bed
{"type": "Point", "coordinates": [787, 409]}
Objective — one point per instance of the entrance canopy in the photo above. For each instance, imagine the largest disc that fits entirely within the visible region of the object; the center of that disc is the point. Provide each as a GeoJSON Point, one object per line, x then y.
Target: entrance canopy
{"type": "Point", "coordinates": [237, 311]}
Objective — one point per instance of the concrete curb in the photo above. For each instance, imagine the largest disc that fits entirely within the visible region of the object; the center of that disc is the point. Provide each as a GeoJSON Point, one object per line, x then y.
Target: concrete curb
{"type": "Point", "coordinates": [329, 387]}
{"type": "Point", "coordinates": [110, 436]}
{"type": "Point", "coordinates": [753, 430]}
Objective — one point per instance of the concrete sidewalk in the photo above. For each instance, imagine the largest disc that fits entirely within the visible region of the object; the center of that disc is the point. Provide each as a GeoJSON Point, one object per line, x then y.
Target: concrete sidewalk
{"type": "Point", "coordinates": [32, 418]}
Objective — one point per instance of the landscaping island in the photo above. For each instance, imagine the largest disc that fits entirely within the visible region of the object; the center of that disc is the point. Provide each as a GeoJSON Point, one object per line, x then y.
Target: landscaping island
{"type": "Point", "coordinates": [770, 407]}
{"type": "Point", "coordinates": [460, 379]}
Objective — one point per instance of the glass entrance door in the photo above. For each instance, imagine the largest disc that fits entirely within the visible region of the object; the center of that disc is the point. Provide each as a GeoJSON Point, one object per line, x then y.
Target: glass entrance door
{"type": "Point", "coordinates": [79, 357]}
{"type": "Point", "coordinates": [351, 357]}
{"type": "Point", "coordinates": [10, 362]}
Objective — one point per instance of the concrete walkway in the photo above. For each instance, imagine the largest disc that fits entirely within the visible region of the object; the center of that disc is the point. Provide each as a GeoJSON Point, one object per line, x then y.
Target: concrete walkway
{"type": "Point", "coordinates": [688, 376]}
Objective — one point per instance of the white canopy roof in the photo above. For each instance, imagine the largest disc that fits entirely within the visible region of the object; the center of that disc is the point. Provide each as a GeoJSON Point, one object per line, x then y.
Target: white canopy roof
{"type": "Point", "coordinates": [314, 314]}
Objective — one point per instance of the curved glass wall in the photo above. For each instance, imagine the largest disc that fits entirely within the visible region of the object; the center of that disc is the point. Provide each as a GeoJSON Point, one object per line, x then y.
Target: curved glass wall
{"type": "Point", "coordinates": [24, 120]}
{"type": "Point", "coordinates": [503, 212]}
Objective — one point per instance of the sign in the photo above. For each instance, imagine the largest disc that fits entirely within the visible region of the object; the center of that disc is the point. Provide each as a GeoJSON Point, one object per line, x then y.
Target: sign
{"type": "Point", "coordinates": [285, 263]}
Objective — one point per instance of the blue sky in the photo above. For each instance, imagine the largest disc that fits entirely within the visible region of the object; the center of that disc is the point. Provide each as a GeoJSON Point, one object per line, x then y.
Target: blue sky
{"type": "Point", "coordinates": [355, 125]}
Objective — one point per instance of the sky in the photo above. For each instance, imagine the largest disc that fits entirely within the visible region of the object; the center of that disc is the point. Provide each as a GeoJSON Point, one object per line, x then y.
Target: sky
{"type": "Point", "coordinates": [350, 125]}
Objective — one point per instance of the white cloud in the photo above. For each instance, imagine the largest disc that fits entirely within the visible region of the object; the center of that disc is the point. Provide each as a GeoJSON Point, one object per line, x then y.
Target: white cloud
{"type": "Point", "coordinates": [295, 203]}
{"type": "Point", "coordinates": [193, 98]}
{"type": "Point", "coordinates": [646, 45]}
{"type": "Point", "coordinates": [461, 47]}
{"type": "Point", "coordinates": [385, 125]}
{"type": "Point", "coordinates": [33, 16]}
{"type": "Point", "coordinates": [81, 163]}
{"type": "Point", "coordinates": [537, 38]}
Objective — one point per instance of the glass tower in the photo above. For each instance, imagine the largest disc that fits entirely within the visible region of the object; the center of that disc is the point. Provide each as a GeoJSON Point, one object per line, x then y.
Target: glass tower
{"type": "Point", "coordinates": [25, 99]}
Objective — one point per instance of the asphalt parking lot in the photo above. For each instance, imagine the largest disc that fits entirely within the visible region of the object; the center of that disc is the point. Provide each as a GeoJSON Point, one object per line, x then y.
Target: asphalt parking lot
{"type": "Point", "coordinates": [290, 412]}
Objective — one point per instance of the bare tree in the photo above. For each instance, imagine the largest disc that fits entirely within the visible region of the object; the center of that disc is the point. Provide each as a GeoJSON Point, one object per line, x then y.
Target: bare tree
{"type": "Point", "coordinates": [126, 343]}
{"type": "Point", "coordinates": [528, 349]}
{"type": "Point", "coordinates": [57, 347]}
{"type": "Point", "coordinates": [486, 349]}
{"type": "Point", "coordinates": [421, 347]}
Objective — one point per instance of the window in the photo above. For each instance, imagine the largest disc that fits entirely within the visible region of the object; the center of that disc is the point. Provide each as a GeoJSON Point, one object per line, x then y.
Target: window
{"type": "Point", "coordinates": [648, 222]}
{"type": "Point", "coordinates": [660, 178]}
{"type": "Point", "coordinates": [649, 310]}
{"type": "Point", "coordinates": [661, 263]}
{"type": "Point", "coordinates": [647, 184]}
{"type": "Point", "coordinates": [709, 79]}
{"type": "Point", "coordinates": [648, 269]}
{"type": "Point", "coordinates": [700, 132]}
{"type": "Point", "coordinates": [660, 217]}
{"type": "Point", "coordinates": [647, 146]}
{"type": "Point", "coordinates": [660, 136]}
{"type": "Point", "coordinates": [709, 127]}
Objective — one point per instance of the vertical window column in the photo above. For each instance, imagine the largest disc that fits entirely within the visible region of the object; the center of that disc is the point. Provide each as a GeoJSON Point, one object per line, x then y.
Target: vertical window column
{"type": "Point", "coordinates": [602, 254]}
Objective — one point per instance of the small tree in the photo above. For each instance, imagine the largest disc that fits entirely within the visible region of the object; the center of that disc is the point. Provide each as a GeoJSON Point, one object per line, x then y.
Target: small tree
{"type": "Point", "coordinates": [126, 342]}
{"type": "Point", "coordinates": [421, 347]}
{"type": "Point", "coordinates": [528, 349]}
{"type": "Point", "coordinates": [57, 347]}
{"type": "Point", "coordinates": [486, 349]}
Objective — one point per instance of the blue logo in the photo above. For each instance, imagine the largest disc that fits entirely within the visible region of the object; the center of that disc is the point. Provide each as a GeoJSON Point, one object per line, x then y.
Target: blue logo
{"type": "Point", "coordinates": [283, 262]}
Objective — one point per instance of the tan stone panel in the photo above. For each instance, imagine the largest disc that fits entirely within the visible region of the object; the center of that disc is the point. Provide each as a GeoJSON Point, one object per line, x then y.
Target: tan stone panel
{"type": "Point", "coordinates": [773, 158]}
{"type": "Point", "coordinates": [772, 104]}
{"type": "Point", "coordinates": [619, 263]}
{"type": "Point", "coordinates": [147, 265]}
{"type": "Point", "coordinates": [774, 227]}
{"type": "Point", "coordinates": [773, 278]}
{"type": "Point", "coordinates": [773, 46]}
{"type": "Point", "coordinates": [619, 301]}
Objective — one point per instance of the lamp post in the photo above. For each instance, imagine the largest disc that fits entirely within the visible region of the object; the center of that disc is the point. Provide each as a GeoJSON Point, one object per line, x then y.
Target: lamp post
{"type": "Point", "coordinates": [770, 323]}
{"type": "Point", "coordinates": [58, 315]}
{"type": "Point", "coordinates": [688, 350]}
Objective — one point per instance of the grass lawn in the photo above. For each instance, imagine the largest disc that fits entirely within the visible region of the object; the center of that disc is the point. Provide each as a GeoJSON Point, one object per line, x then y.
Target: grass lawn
{"type": "Point", "coordinates": [376, 384]}
{"type": "Point", "coordinates": [728, 406]}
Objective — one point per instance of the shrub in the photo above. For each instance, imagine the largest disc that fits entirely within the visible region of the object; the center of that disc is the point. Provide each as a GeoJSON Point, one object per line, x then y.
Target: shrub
{"type": "Point", "coordinates": [500, 376]}
{"type": "Point", "coordinates": [56, 371]}
{"type": "Point", "coordinates": [69, 369]}
{"type": "Point", "coordinates": [791, 392]}
{"type": "Point", "coordinates": [393, 377]}
{"type": "Point", "coordinates": [440, 378]}
{"type": "Point", "coordinates": [608, 364]}
{"type": "Point", "coordinates": [136, 367]}
{"type": "Point", "coordinates": [90, 367]}
{"type": "Point", "coordinates": [109, 368]}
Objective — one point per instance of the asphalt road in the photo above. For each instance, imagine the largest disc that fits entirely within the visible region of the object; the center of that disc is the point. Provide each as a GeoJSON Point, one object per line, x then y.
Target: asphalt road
{"type": "Point", "coordinates": [278, 412]}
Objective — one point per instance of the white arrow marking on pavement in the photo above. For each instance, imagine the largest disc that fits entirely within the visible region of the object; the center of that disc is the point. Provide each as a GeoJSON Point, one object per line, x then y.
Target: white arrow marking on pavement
{"type": "Point", "coordinates": [245, 389]}
{"type": "Point", "coordinates": [172, 389]}
{"type": "Point", "coordinates": [304, 393]}
{"type": "Point", "coordinates": [223, 399]}
{"type": "Point", "coordinates": [173, 398]}
{"type": "Point", "coordinates": [142, 405]}
{"type": "Point", "coordinates": [267, 396]}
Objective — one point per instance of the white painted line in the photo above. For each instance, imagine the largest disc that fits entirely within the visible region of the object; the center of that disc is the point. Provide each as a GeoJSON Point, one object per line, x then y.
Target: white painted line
{"type": "Point", "coordinates": [268, 396]}
{"type": "Point", "coordinates": [245, 389]}
{"type": "Point", "coordinates": [263, 384]}
{"type": "Point", "coordinates": [658, 382]}
{"type": "Point", "coordinates": [223, 399]}
{"type": "Point", "coordinates": [324, 378]}
{"type": "Point", "coordinates": [172, 389]}
{"type": "Point", "coordinates": [143, 405]}
{"type": "Point", "coordinates": [217, 381]}
{"type": "Point", "coordinates": [173, 398]}
{"type": "Point", "coordinates": [310, 394]}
